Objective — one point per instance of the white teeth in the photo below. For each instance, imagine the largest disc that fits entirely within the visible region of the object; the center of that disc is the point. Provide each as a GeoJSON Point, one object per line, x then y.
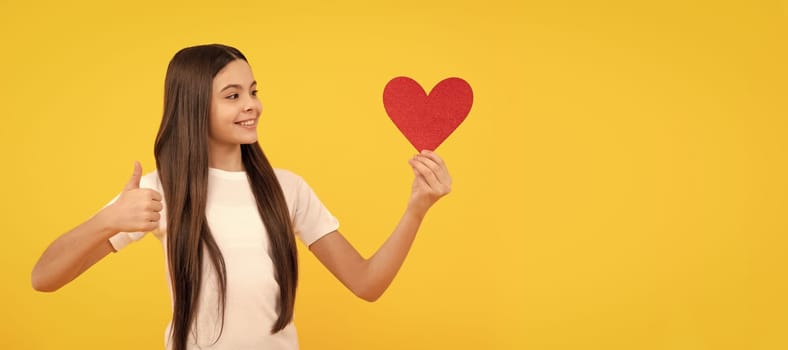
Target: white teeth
{"type": "Point", "coordinates": [246, 122]}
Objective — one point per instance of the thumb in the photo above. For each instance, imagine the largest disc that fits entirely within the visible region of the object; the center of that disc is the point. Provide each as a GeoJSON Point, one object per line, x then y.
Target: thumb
{"type": "Point", "coordinates": [134, 182]}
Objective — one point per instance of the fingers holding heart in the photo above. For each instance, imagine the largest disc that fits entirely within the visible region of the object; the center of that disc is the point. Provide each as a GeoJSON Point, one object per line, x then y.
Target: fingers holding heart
{"type": "Point", "coordinates": [432, 171]}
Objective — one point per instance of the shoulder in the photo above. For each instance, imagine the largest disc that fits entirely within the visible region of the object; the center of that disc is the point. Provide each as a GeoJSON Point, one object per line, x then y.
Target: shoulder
{"type": "Point", "coordinates": [287, 178]}
{"type": "Point", "coordinates": [151, 180]}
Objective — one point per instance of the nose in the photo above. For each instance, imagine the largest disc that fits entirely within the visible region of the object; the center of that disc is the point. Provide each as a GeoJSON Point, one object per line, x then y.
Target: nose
{"type": "Point", "coordinates": [253, 105]}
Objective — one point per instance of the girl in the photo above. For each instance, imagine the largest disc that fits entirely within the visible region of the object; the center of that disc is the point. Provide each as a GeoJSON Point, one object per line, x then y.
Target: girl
{"type": "Point", "coordinates": [227, 220]}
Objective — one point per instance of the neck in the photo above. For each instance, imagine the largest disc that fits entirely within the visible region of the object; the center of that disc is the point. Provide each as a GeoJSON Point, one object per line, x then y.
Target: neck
{"type": "Point", "coordinates": [225, 157]}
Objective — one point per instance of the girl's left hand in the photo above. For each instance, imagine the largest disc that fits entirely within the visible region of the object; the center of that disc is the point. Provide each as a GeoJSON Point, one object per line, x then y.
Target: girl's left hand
{"type": "Point", "coordinates": [432, 181]}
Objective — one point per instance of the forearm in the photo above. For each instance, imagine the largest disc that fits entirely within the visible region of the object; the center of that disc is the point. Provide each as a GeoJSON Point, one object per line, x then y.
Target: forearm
{"type": "Point", "coordinates": [383, 266]}
{"type": "Point", "coordinates": [71, 254]}
{"type": "Point", "coordinates": [369, 278]}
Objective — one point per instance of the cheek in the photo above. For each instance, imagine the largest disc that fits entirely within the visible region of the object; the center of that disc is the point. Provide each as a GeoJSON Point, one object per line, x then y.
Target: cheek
{"type": "Point", "coordinates": [218, 120]}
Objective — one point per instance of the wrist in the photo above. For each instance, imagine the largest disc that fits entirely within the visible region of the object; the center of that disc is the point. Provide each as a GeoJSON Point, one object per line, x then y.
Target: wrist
{"type": "Point", "coordinates": [416, 210]}
{"type": "Point", "coordinates": [103, 223]}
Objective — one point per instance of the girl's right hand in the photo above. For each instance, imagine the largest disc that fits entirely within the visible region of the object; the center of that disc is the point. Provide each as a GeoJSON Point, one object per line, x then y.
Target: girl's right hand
{"type": "Point", "coordinates": [137, 209]}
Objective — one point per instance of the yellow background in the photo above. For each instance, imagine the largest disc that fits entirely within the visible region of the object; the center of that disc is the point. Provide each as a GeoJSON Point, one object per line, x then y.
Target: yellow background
{"type": "Point", "coordinates": [620, 182]}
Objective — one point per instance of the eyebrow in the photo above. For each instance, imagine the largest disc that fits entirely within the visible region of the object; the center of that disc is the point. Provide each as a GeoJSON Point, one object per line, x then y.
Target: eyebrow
{"type": "Point", "coordinates": [237, 86]}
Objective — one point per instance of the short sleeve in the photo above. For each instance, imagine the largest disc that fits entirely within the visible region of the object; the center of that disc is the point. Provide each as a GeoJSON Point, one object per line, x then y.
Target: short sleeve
{"type": "Point", "coordinates": [311, 219]}
{"type": "Point", "coordinates": [121, 239]}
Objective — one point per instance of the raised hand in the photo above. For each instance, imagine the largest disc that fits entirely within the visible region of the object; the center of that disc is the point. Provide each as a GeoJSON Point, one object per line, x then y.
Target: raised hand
{"type": "Point", "coordinates": [432, 180]}
{"type": "Point", "coordinates": [137, 209]}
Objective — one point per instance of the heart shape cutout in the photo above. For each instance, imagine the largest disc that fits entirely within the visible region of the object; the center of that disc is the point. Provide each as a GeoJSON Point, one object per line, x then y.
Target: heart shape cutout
{"type": "Point", "coordinates": [427, 120]}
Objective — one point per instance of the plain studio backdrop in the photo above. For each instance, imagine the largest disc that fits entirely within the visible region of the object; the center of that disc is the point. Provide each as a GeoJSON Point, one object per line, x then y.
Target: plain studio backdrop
{"type": "Point", "coordinates": [620, 182]}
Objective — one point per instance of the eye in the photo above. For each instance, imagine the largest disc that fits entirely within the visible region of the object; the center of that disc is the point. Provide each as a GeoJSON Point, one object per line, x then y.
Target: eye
{"type": "Point", "coordinates": [254, 92]}
{"type": "Point", "coordinates": [232, 97]}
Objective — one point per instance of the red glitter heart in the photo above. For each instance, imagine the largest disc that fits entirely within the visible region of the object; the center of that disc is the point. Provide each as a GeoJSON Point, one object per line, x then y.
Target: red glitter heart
{"type": "Point", "coordinates": [427, 120]}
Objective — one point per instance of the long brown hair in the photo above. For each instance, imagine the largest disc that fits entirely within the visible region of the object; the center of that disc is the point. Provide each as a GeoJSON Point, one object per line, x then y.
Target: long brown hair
{"type": "Point", "coordinates": [181, 152]}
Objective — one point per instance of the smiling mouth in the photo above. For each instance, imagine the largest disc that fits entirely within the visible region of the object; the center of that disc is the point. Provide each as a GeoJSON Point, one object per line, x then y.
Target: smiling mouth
{"type": "Point", "coordinates": [249, 122]}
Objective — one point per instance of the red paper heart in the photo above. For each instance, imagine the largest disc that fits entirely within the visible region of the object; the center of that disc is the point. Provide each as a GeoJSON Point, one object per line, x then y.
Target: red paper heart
{"type": "Point", "coordinates": [427, 120]}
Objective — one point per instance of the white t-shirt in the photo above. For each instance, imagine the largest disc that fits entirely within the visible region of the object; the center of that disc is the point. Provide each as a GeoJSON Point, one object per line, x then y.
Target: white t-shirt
{"type": "Point", "coordinates": [252, 291]}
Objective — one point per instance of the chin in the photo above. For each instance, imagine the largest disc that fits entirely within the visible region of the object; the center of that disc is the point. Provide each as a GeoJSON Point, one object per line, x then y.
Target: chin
{"type": "Point", "coordinates": [248, 141]}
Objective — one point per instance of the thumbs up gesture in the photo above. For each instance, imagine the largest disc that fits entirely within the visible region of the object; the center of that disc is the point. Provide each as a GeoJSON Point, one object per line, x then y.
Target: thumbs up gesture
{"type": "Point", "coordinates": [137, 209]}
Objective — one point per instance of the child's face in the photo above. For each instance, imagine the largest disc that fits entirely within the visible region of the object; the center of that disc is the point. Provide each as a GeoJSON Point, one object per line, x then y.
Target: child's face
{"type": "Point", "coordinates": [235, 108]}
